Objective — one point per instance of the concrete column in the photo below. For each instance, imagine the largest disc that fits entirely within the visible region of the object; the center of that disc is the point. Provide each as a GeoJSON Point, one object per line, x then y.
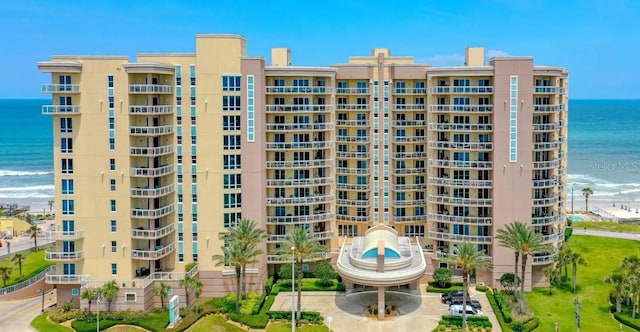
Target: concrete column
{"type": "Point", "coordinates": [381, 310]}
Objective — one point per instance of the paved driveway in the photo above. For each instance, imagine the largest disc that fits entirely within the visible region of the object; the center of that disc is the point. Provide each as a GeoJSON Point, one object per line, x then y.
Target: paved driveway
{"type": "Point", "coordinates": [17, 315]}
{"type": "Point", "coordinates": [419, 311]}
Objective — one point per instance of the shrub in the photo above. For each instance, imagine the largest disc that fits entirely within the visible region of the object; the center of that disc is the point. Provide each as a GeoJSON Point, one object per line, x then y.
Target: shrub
{"type": "Point", "coordinates": [517, 326]}
{"type": "Point", "coordinates": [481, 288]}
{"type": "Point", "coordinates": [189, 266]}
{"type": "Point", "coordinates": [268, 285]}
{"type": "Point", "coordinates": [442, 277]}
{"type": "Point", "coordinates": [626, 320]}
{"type": "Point", "coordinates": [453, 287]}
{"type": "Point", "coordinates": [251, 303]}
{"type": "Point", "coordinates": [496, 309]}
{"type": "Point", "coordinates": [531, 324]}
{"type": "Point", "coordinates": [60, 315]}
{"type": "Point", "coordinates": [325, 273]}
{"type": "Point", "coordinates": [252, 321]}
{"type": "Point", "coordinates": [285, 274]}
{"type": "Point", "coordinates": [567, 233]}
{"type": "Point", "coordinates": [267, 304]}
{"type": "Point", "coordinates": [504, 308]}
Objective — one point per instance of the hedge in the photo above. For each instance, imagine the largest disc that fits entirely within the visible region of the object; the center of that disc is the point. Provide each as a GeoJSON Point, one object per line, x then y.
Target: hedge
{"type": "Point", "coordinates": [454, 287]}
{"type": "Point", "coordinates": [311, 316]}
{"type": "Point", "coordinates": [504, 308]}
{"type": "Point", "coordinates": [622, 318]}
{"type": "Point", "coordinates": [492, 301]}
{"type": "Point", "coordinates": [480, 321]}
{"type": "Point", "coordinates": [267, 304]}
{"type": "Point", "coordinates": [252, 321]}
{"type": "Point", "coordinates": [481, 288]}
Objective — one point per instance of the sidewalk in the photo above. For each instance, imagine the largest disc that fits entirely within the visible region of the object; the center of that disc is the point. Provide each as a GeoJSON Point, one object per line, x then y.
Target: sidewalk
{"type": "Point", "coordinates": [21, 244]}
{"type": "Point", "coordinates": [618, 235]}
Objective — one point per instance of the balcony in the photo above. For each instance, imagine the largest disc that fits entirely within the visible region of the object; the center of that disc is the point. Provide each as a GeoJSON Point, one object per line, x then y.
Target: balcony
{"type": "Point", "coordinates": [442, 199]}
{"type": "Point", "coordinates": [155, 109]}
{"type": "Point", "coordinates": [152, 234]}
{"type": "Point", "coordinates": [145, 172]}
{"type": "Point", "coordinates": [157, 253]}
{"type": "Point", "coordinates": [461, 182]}
{"type": "Point", "coordinates": [548, 89]}
{"type": "Point", "coordinates": [152, 193]}
{"type": "Point", "coordinates": [352, 170]}
{"type": "Point", "coordinates": [548, 108]}
{"type": "Point", "coordinates": [461, 108]}
{"type": "Point", "coordinates": [352, 107]}
{"type": "Point", "coordinates": [65, 278]}
{"type": "Point", "coordinates": [152, 213]}
{"type": "Point", "coordinates": [299, 126]}
{"type": "Point", "coordinates": [402, 107]}
{"type": "Point", "coordinates": [399, 171]}
{"type": "Point", "coordinates": [545, 183]}
{"type": "Point", "coordinates": [415, 186]}
{"type": "Point", "coordinates": [354, 155]}
{"type": "Point", "coordinates": [409, 218]}
{"type": "Point", "coordinates": [409, 139]}
{"type": "Point", "coordinates": [299, 182]}
{"type": "Point", "coordinates": [151, 131]}
{"type": "Point", "coordinates": [65, 235]}
{"type": "Point", "coordinates": [459, 237]}
{"type": "Point", "coordinates": [409, 123]}
{"type": "Point", "coordinates": [461, 90]}
{"type": "Point", "coordinates": [354, 202]}
{"type": "Point", "coordinates": [299, 163]}
{"type": "Point", "coordinates": [353, 186]}
{"type": "Point", "coordinates": [440, 217]}
{"type": "Point", "coordinates": [546, 164]}
{"type": "Point", "coordinates": [299, 89]}
{"type": "Point", "coordinates": [60, 109]}
{"type": "Point", "coordinates": [150, 89]}
{"type": "Point", "coordinates": [544, 259]}
{"type": "Point", "coordinates": [319, 256]}
{"type": "Point", "coordinates": [547, 145]}
{"type": "Point", "coordinates": [298, 108]}
{"type": "Point", "coordinates": [316, 199]}
{"type": "Point", "coordinates": [300, 219]}
{"type": "Point", "coordinates": [315, 235]}
{"type": "Point", "coordinates": [410, 202]}
{"type": "Point", "coordinates": [60, 88]}
{"type": "Point", "coordinates": [63, 256]}
{"type": "Point", "coordinates": [460, 127]}
{"type": "Point", "coordinates": [546, 201]}
{"type": "Point", "coordinates": [405, 155]}
{"type": "Point", "coordinates": [461, 145]}
{"type": "Point", "coordinates": [353, 123]}
{"type": "Point", "coordinates": [298, 145]}
{"type": "Point", "coordinates": [460, 163]}
{"type": "Point", "coordinates": [342, 217]}
{"type": "Point", "coordinates": [409, 91]}
{"type": "Point", "coordinates": [151, 151]}
{"type": "Point", "coordinates": [353, 139]}
{"type": "Point", "coordinates": [543, 127]}
{"type": "Point", "coordinates": [548, 220]}
{"type": "Point", "coordinates": [352, 91]}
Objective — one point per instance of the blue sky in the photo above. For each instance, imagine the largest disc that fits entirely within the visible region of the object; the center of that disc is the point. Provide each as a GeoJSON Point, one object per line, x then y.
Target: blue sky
{"type": "Point", "coordinates": [599, 41]}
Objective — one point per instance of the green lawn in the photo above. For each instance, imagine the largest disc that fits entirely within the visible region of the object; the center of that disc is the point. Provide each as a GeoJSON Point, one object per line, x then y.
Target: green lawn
{"type": "Point", "coordinates": [214, 323]}
{"type": "Point", "coordinates": [34, 264]}
{"type": "Point", "coordinates": [602, 255]}
{"type": "Point", "coordinates": [40, 323]}
{"type": "Point", "coordinates": [608, 226]}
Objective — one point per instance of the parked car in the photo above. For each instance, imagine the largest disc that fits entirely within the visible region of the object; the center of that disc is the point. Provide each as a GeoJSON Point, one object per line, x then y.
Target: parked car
{"type": "Point", "coordinates": [447, 298]}
{"type": "Point", "coordinates": [456, 310]}
{"type": "Point", "coordinates": [475, 304]}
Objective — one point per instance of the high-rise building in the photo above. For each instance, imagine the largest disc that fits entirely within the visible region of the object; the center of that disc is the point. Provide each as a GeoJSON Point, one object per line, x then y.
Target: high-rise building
{"type": "Point", "coordinates": [154, 158]}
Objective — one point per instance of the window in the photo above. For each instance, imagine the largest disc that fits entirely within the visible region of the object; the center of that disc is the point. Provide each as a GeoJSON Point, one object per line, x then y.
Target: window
{"type": "Point", "coordinates": [414, 230]}
{"type": "Point", "coordinates": [231, 122]}
{"type": "Point", "coordinates": [114, 246]}
{"type": "Point", "coordinates": [67, 187]}
{"type": "Point", "coordinates": [233, 200]}
{"type": "Point", "coordinates": [110, 81]}
{"type": "Point", "coordinates": [232, 181]}
{"type": "Point", "coordinates": [66, 145]}
{"type": "Point", "coordinates": [112, 184]}
{"type": "Point", "coordinates": [113, 205]}
{"type": "Point", "coordinates": [68, 207]}
{"type": "Point", "coordinates": [112, 164]}
{"type": "Point", "coordinates": [114, 226]}
{"type": "Point", "coordinates": [231, 161]}
{"type": "Point", "coordinates": [231, 142]}
{"type": "Point", "coordinates": [112, 144]}
{"type": "Point", "coordinates": [192, 74]}
{"type": "Point", "coordinates": [231, 219]}
{"type": "Point", "coordinates": [230, 103]}
{"type": "Point", "coordinates": [130, 297]}
{"type": "Point", "coordinates": [114, 269]}
{"type": "Point", "coordinates": [66, 125]}
{"type": "Point", "coordinates": [67, 166]}
{"type": "Point", "coordinates": [347, 230]}
{"type": "Point", "coordinates": [230, 83]}
{"type": "Point", "coordinates": [75, 292]}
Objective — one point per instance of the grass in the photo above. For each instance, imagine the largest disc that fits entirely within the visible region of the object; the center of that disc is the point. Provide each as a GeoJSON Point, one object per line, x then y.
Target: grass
{"type": "Point", "coordinates": [40, 323]}
{"type": "Point", "coordinates": [603, 255]}
{"type": "Point", "coordinates": [311, 285]}
{"type": "Point", "coordinates": [285, 327]}
{"type": "Point", "coordinates": [608, 226]}
{"type": "Point", "coordinates": [34, 264]}
{"type": "Point", "coordinates": [214, 323]}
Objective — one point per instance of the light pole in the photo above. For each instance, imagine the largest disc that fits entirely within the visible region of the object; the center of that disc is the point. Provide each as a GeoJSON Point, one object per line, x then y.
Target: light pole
{"type": "Point", "coordinates": [572, 199]}
{"type": "Point", "coordinates": [576, 302]}
{"type": "Point", "coordinates": [98, 314]}
{"type": "Point", "coordinates": [41, 291]}
{"type": "Point", "coordinates": [293, 289]}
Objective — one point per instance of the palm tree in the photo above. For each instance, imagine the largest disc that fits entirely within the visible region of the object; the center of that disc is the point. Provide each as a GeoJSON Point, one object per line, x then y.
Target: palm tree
{"type": "Point", "coordinates": [5, 274]}
{"type": "Point", "coordinates": [617, 278]}
{"type": "Point", "coordinates": [247, 232]}
{"type": "Point", "coordinates": [109, 291]}
{"type": "Point", "coordinates": [90, 295]}
{"type": "Point", "coordinates": [562, 259]}
{"type": "Point", "coordinates": [576, 259]}
{"type": "Point", "coordinates": [632, 291]}
{"type": "Point", "coordinates": [196, 286]}
{"type": "Point", "coordinates": [467, 257]}
{"type": "Point", "coordinates": [586, 192]}
{"type": "Point", "coordinates": [530, 243]}
{"type": "Point", "coordinates": [187, 285]}
{"type": "Point", "coordinates": [552, 274]}
{"type": "Point", "coordinates": [509, 237]}
{"type": "Point", "coordinates": [50, 202]}
{"type": "Point", "coordinates": [232, 255]}
{"type": "Point", "coordinates": [34, 234]}
{"type": "Point", "coordinates": [161, 290]}
{"type": "Point", "coordinates": [303, 247]}
{"type": "Point", "coordinates": [18, 259]}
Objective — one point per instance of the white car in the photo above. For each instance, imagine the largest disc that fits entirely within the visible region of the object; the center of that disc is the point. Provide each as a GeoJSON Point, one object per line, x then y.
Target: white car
{"type": "Point", "coordinates": [456, 310]}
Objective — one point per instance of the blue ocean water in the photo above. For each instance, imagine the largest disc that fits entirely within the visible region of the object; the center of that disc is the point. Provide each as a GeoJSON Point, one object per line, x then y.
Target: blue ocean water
{"type": "Point", "coordinates": [603, 151]}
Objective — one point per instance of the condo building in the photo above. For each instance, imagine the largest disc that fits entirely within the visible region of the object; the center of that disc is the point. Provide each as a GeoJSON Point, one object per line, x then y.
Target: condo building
{"type": "Point", "coordinates": [154, 158]}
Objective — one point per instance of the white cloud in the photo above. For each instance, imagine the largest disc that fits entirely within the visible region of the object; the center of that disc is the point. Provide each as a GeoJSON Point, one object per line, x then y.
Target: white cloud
{"type": "Point", "coordinates": [496, 53]}
{"type": "Point", "coordinates": [443, 60]}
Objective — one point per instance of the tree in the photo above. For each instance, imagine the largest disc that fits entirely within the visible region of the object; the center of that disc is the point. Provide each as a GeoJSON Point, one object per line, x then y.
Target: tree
{"type": "Point", "coordinates": [109, 291]}
{"type": "Point", "coordinates": [5, 274]}
{"type": "Point", "coordinates": [509, 282]}
{"type": "Point", "coordinates": [196, 286]}
{"type": "Point", "coordinates": [530, 243]}
{"type": "Point", "coordinates": [467, 257]}
{"type": "Point", "coordinates": [303, 247]}
{"type": "Point", "coordinates": [587, 192]}
{"type": "Point", "coordinates": [509, 237]}
{"type": "Point", "coordinates": [576, 259]}
{"type": "Point", "coordinates": [285, 273]}
{"type": "Point", "coordinates": [18, 259]}
{"type": "Point", "coordinates": [562, 259]}
{"type": "Point", "coordinates": [617, 278]}
{"type": "Point", "coordinates": [90, 295]}
{"type": "Point", "coordinates": [34, 234]}
{"type": "Point", "coordinates": [247, 232]}
{"type": "Point", "coordinates": [232, 255]}
{"type": "Point", "coordinates": [50, 202]}
{"type": "Point", "coordinates": [161, 290]}
{"type": "Point", "coordinates": [631, 265]}
{"type": "Point", "coordinates": [186, 284]}
{"type": "Point", "coordinates": [325, 273]}
{"type": "Point", "coordinates": [552, 274]}
{"type": "Point", "coordinates": [442, 277]}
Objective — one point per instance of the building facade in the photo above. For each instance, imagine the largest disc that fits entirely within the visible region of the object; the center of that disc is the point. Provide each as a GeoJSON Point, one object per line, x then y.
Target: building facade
{"type": "Point", "coordinates": [154, 158]}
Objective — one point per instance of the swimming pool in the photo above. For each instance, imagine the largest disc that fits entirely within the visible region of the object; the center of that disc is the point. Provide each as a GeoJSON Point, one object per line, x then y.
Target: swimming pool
{"type": "Point", "coordinates": [575, 218]}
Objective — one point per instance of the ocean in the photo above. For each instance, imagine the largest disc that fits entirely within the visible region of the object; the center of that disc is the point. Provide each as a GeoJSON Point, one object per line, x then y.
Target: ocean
{"type": "Point", "coordinates": [603, 152]}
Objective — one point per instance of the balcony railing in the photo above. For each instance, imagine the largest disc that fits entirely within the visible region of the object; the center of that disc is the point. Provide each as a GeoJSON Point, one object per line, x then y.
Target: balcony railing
{"type": "Point", "coordinates": [440, 217]}
{"type": "Point", "coordinates": [65, 235]}
{"type": "Point", "coordinates": [547, 220]}
{"type": "Point", "coordinates": [400, 107]}
{"type": "Point", "coordinates": [409, 139]}
{"type": "Point", "coordinates": [287, 258]}
{"type": "Point", "coordinates": [353, 123]}
{"type": "Point", "coordinates": [461, 90]}
{"type": "Point", "coordinates": [461, 108]}
{"type": "Point", "coordinates": [545, 183]}
{"type": "Point", "coordinates": [410, 202]}
{"type": "Point", "coordinates": [352, 91]}
{"type": "Point", "coordinates": [63, 256]}
{"type": "Point", "coordinates": [548, 89]}
{"type": "Point", "coordinates": [154, 109]}
{"type": "Point", "coordinates": [352, 170]}
{"type": "Point", "coordinates": [299, 126]}
{"type": "Point", "coordinates": [546, 201]}
{"type": "Point", "coordinates": [409, 123]}
{"type": "Point", "coordinates": [414, 186]}
{"type": "Point", "coordinates": [60, 88]}
{"type": "Point", "coordinates": [342, 217]}
{"type": "Point", "coordinates": [300, 219]}
{"type": "Point", "coordinates": [459, 237]}
{"type": "Point", "coordinates": [60, 109]}
{"type": "Point", "coordinates": [152, 234]}
{"type": "Point", "coordinates": [442, 199]}
{"type": "Point", "coordinates": [353, 186]}
{"type": "Point", "coordinates": [299, 89]}
{"type": "Point", "coordinates": [460, 127]}
{"type": "Point", "coordinates": [546, 126]}
{"type": "Point", "coordinates": [299, 163]}
{"type": "Point", "coordinates": [151, 151]}
{"type": "Point", "coordinates": [355, 155]}
{"type": "Point", "coordinates": [409, 218]}
{"type": "Point", "coordinates": [152, 193]}
{"type": "Point", "coordinates": [66, 278]}
{"type": "Point", "coordinates": [151, 172]}
{"type": "Point", "coordinates": [314, 235]}
{"type": "Point", "coordinates": [354, 202]}
{"type": "Point", "coordinates": [418, 170]}
{"type": "Point", "coordinates": [461, 145]}
{"type": "Point", "coordinates": [546, 164]}
{"type": "Point", "coordinates": [298, 145]}
{"type": "Point", "coordinates": [409, 91]}
{"type": "Point", "coordinates": [547, 145]}
{"type": "Point", "coordinates": [548, 108]}
{"type": "Point", "coordinates": [157, 253]}
{"type": "Point", "coordinates": [553, 237]}
{"type": "Point", "coordinates": [348, 107]}
{"type": "Point", "coordinates": [151, 131]}
{"type": "Point", "coordinates": [461, 182]}
{"type": "Point", "coordinates": [299, 182]}
{"type": "Point", "coordinates": [150, 88]}
{"type": "Point", "coordinates": [403, 155]}
{"type": "Point", "coordinates": [300, 200]}
{"type": "Point", "coordinates": [152, 213]}
{"type": "Point", "coordinates": [357, 139]}
{"type": "Point", "coordinates": [299, 108]}
{"type": "Point", "coordinates": [460, 163]}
